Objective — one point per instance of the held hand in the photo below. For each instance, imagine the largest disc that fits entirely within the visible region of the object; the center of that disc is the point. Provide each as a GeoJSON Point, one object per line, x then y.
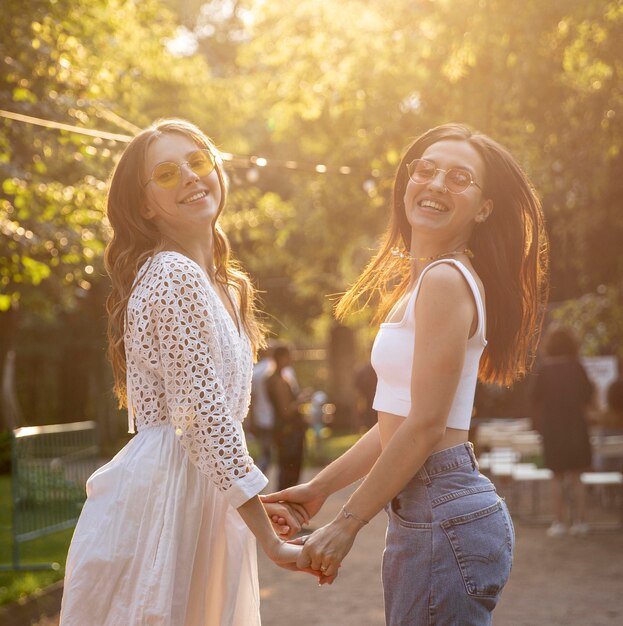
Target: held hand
{"type": "Point", "coordinates": [325, 549]}
{"type": "Point", "coordinates": [286, 520]}
{"type": "Point", "coordinates": [323, 579]}
{"type": "Point", "coordinates": [303, 498]}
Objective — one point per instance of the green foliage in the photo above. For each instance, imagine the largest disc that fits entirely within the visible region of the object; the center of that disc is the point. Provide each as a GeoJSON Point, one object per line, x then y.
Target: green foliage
{"type": "Point", "coordinates": [597, 319]}
{"type": "Point", "coordinates": [316, 82]}
{"type": "Point", "coordinates": [52, 198]}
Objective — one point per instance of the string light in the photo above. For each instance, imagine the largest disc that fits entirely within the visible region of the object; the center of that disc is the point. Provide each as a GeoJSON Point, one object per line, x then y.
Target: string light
{"type": "Point", "coordinates": [28, 119]}
{"type": "Point", "coordinates": [235, 161]}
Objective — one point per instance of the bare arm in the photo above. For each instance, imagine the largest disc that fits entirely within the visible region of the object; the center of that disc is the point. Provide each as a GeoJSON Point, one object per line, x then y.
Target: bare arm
{"type": "Point", "coordinates": [444, 314]}
{"type": "Point", "coordinates": [255, 517]}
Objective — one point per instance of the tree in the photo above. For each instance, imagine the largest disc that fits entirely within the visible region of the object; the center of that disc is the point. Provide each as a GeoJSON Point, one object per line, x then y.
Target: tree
{"type": "Point", "coordinates": [329, 93]}
{"type": "Point", "coordinates": [51, 206]}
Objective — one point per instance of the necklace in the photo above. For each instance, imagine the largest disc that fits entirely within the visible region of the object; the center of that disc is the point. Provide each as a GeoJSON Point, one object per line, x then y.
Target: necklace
{"type": "Point", "coordinates": [404, 254]}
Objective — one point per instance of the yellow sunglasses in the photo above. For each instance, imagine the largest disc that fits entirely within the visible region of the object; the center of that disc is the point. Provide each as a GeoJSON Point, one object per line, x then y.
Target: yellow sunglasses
{"type": "Point", "coordinates": [168, 174]}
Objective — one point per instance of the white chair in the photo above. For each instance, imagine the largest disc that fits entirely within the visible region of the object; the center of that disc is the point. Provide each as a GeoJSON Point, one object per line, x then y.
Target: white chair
{"type": "Point", "coordinates": [527, 476]}
{"type": "Point", "coordinates": [499, 463]}
{"type": "Point", "coordinates": [499, 432]}
{"type": "Point", "coordinates": [527, 444]}
{"type": "Point", "coordinates": [606, 483]}
{"type": "Point", "coordinates": [607, 452]}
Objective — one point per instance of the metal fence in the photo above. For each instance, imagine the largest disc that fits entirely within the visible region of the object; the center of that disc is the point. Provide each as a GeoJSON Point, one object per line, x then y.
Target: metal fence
{"type": "Point", "coordinates": [50, 466]}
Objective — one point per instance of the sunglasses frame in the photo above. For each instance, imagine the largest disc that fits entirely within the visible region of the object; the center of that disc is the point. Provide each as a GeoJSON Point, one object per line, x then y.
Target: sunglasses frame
{"type": "Point", "coordinates": [445, 172]}
{"type": "Point", "coordinates": [179, 168]}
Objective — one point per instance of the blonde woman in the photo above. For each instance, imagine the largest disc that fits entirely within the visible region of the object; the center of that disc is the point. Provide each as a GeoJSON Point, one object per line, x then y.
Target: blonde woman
{"type": "Point", "coordinates": [167, 535]}
{"type": "Point", "coordinates": [466, 248]}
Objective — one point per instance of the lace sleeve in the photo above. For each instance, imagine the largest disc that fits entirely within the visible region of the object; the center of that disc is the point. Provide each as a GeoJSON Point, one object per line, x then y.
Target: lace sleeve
{"type": "Point", "coordinates": [195, 395]}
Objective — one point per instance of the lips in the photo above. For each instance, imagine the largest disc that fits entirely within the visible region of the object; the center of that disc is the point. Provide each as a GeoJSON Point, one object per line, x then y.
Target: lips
{"type": "Point", "coordinates": [195, 196]}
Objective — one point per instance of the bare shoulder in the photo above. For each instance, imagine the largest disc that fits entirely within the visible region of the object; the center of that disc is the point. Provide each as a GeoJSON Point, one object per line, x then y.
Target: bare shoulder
{"type": "Point", "coordinates": [445, 300]}
{"type": "Point", "coordinates": [445, 281]}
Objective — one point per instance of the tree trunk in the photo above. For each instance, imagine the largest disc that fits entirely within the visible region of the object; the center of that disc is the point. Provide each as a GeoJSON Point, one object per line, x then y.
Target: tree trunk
{"type": "Point", "coordinates": [10, 414]}
{"type": "Point", "coordinates": [342, 374]}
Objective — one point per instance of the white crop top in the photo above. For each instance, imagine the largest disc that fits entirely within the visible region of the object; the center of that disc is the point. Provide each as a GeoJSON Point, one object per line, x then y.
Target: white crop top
{"type": "Point", "coordinates": [392, 359]}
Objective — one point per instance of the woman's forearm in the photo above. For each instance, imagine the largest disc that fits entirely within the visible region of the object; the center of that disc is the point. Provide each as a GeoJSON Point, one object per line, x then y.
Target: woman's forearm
{"type": "Point", "coordinates": [406, 452]}
{"type": "Point", "coordinates": [351, 466]}
{"type": "Point", "coordinates": [255, 517]}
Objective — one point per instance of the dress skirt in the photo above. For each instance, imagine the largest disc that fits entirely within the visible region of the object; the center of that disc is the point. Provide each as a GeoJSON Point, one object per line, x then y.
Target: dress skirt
{"type": "Point", "coordinates": [158, 544]}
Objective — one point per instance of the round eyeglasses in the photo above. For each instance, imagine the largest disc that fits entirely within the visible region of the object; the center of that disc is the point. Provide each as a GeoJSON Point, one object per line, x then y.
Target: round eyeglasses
{"type": "Point", "coordinates": [168, 174]}
{"type": "Point", "coordinates": [455, 180]}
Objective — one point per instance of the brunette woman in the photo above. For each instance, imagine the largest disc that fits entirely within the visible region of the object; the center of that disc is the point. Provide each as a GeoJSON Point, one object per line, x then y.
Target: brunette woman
{"type": "Point", "coordinates": [561, 394]}
{"type": "Point", "coordinates": [467, 250]}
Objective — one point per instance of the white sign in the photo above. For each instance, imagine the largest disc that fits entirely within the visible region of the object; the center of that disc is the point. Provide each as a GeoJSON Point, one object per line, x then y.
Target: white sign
{"type": "Point", "coordinates": [602, 371]}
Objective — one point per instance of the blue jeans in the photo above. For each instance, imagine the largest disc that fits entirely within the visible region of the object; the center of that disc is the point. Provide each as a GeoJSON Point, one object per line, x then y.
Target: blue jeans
{"type": "Point", "coordinates": [449, 545]}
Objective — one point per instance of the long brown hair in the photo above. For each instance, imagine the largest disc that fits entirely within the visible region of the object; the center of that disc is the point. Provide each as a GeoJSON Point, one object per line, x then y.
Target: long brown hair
{"type": "Point", "coordinates": [511, 257]}
{"type": "Point", "coordinates": [135, 239]}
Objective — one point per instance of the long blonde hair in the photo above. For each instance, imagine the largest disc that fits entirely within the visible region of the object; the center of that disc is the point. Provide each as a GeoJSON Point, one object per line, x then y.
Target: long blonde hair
{"type": "Point", "coordinates": [135, 239]}
{"type": "Point", "coordinates": [511, 257]}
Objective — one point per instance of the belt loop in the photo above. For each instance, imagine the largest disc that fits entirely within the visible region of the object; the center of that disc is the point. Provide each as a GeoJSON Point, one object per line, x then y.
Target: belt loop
{"type": "Point", "coordinates": [472, 456]}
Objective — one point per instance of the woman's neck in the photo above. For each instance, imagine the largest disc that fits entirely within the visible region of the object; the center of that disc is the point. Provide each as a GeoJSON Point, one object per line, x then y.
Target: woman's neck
{"type": "Point", "coordinates": [425, 251]}
{"type": "Point", "coordinates": [199, 251]}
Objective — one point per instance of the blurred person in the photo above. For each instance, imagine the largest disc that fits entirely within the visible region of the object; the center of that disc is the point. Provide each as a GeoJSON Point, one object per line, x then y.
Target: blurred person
{"type": "Point", "coordinates": [463, 300]}
{"type": "Point", "coordinates": [262, 412]}
{"type": "Point", "coordinates": [290, 426]}
{"type": "Point", "coordinates": [561, 394]}
{"type": "Point", "coordinates": [168, 532]}
{"type": "Point", "coordinates": [317, 415]}
{"type": "Point", "coordinates": [611, 421]}
{"type": "Point", "coordinates": [610, 424]}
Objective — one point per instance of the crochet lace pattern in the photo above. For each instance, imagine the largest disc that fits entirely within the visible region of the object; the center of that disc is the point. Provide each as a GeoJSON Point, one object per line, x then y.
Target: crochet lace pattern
{"type": "Point", "coordinates": [188, 365]}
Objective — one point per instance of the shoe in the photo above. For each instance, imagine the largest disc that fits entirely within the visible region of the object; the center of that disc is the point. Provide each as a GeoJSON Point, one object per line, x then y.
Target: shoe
{"type": "Point", "coordinates": [557, 529]}
{"type": "Point", "coordinates": [579, 530]}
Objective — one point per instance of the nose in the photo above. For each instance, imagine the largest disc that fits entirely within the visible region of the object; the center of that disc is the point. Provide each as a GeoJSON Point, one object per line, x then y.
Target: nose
{"type": "Point", "coordinates": [438, 181]}
{"type": "Point", "coordinates": [188, 175]}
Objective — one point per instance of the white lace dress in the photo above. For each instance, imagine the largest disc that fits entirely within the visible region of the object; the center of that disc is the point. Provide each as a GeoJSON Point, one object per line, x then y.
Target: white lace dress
{"type": "Point", "coordinates": [159, 540]}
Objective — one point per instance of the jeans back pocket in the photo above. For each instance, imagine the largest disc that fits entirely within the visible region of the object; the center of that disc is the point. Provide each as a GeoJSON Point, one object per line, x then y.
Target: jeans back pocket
{"type": "Point", "coordinates": [482, 543]}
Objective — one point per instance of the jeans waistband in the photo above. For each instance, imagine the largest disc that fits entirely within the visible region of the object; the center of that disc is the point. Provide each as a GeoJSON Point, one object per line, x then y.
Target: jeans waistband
{"type": "Point", "coordinates": [448, 460]}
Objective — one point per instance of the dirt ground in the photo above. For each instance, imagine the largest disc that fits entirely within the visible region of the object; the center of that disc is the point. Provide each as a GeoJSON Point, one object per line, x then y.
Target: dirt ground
{"type": "Point", "coordinates": [567, 581]}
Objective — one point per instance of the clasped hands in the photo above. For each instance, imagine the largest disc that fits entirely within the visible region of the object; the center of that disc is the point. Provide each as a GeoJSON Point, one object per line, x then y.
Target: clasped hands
{"type": "Point", "coordinates": [324, 550]}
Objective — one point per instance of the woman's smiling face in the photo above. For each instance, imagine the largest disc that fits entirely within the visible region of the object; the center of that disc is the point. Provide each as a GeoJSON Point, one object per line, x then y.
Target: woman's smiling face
{"type": "Point", "coordinates": [429, 206]}
{"type": "Point", "coordinates": [194, 201]}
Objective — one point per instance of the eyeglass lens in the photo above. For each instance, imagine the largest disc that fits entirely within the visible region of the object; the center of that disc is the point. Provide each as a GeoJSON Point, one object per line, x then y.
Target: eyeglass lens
{"type": "Point", "coordinates": [456, 179]}
{"type": "Point", "coordinates": [168, 174]}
